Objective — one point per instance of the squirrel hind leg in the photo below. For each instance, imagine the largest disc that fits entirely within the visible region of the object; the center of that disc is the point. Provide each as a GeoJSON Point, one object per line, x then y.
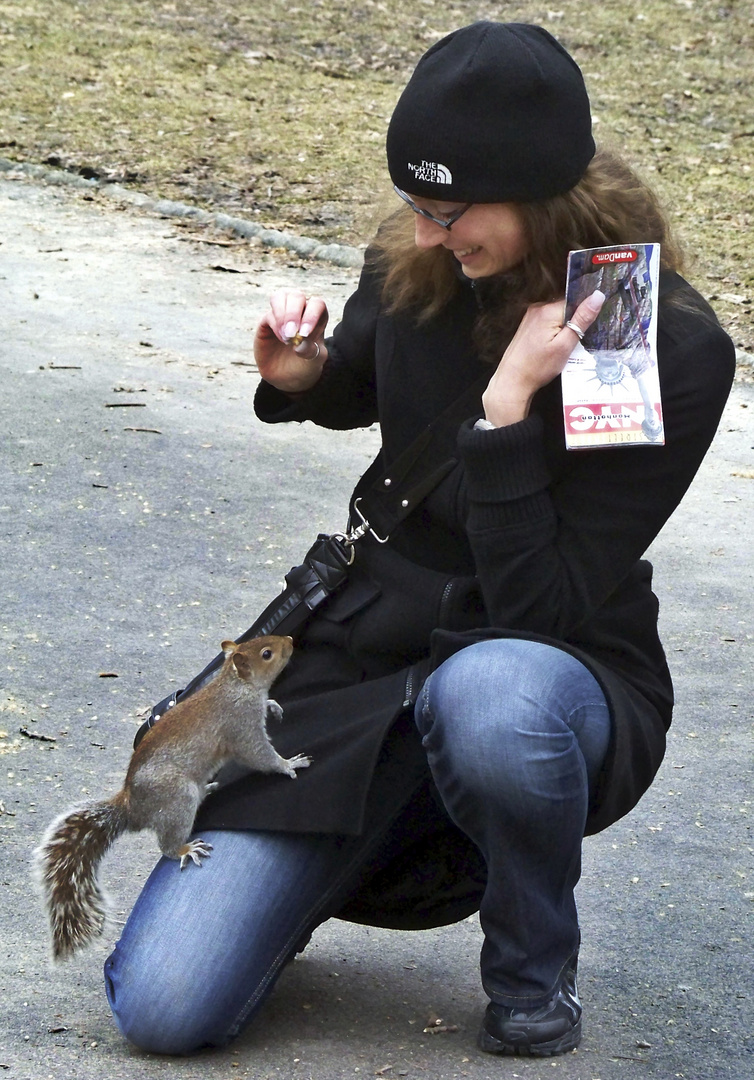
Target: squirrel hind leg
{"type": "Point", "coordinates": [194, 851]}
{"type": "Point", "coordinates": [175, 823]}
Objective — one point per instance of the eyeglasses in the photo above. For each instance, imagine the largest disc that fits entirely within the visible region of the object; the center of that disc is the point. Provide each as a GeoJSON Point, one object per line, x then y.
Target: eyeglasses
{"type": "Point", "coordinates": [444, 223]}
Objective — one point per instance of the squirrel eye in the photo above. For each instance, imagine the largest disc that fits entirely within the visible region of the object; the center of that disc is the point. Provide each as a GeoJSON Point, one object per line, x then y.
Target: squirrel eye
{"type": "Point", "coordinates": [267, 654]}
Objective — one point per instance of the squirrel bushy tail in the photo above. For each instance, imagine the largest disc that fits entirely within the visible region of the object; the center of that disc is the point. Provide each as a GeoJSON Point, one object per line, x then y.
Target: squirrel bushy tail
{"type": "Point", "coordinates": [67, 863]}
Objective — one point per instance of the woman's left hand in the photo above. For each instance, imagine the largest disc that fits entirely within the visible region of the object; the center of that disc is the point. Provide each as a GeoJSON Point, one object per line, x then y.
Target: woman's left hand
{"type": "Point", "coordinates": [536, 355]}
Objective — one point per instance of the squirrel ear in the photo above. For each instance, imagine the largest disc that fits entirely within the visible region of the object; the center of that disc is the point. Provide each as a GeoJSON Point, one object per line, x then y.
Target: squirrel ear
{"type": "Point", "coordinates": [242, 664]}
{"type": "Point", "coordinates": [228, 647]}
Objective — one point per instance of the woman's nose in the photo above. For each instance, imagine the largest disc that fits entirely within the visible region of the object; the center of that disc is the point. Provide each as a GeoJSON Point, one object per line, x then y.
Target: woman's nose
{"type": "Point", "coordinates": [427, 234]}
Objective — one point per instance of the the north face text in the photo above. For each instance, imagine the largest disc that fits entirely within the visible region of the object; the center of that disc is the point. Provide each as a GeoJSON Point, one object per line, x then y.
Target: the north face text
{"type": "Point", "coordinates": [431, 172]}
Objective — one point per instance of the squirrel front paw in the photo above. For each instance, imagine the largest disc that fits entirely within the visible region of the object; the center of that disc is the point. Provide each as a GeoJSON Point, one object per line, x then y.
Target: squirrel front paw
{"type": "Point", "coordinates": [194, 850]}
{"type": "Point", "coordinates": [274, 710]}
{"type": "Point", "coordinates": [300, 761]}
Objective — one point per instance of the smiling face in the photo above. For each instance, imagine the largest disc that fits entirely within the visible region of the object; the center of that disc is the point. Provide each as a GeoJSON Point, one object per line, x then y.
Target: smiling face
{"type": "Point", "coordinates": [488, 239]}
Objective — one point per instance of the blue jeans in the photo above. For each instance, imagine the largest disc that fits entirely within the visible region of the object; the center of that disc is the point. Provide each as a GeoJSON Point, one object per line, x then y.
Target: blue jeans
{"type": "Point", "coordinates": [514, 732]}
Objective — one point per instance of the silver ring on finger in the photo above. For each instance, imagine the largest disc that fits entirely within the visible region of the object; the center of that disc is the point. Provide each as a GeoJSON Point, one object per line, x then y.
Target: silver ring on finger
{"type": "Point", "coordinates": [576, 329]}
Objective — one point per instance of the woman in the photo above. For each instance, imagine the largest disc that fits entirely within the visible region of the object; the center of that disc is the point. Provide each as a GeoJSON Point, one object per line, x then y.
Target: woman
{"type": "Point", "coordinates": [517, 581]}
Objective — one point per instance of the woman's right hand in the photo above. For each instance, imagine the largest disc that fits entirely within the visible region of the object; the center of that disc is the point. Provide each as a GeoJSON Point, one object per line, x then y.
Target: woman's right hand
{"type": "Point", "coordinates": [289, 367]}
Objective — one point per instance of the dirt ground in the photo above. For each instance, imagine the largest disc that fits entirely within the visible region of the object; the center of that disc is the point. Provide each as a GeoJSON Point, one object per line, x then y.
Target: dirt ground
{"type": "Point", "coordinates": [279, 112]}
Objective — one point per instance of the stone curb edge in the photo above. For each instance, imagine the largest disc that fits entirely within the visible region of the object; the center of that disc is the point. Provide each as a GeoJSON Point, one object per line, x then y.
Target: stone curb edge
{"type": "Point", "coordinates": [305, 246]}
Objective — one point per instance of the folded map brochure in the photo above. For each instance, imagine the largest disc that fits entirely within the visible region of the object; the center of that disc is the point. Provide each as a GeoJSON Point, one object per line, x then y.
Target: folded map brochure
{"type": "Point", "coordinates": [611, 388]}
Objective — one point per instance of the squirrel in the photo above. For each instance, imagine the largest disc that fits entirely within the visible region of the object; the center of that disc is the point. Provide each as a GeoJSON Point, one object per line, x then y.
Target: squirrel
{"type": "Point", "coordinates": [168, 777]}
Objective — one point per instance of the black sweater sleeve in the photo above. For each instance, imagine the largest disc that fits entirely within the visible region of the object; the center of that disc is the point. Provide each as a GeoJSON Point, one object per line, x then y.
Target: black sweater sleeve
{"type": "Point", "coordinates": [550, 549]}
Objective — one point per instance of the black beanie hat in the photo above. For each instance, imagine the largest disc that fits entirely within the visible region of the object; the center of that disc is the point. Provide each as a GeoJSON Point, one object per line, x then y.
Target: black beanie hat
{"type": "Point", "coordinates": [494, 112]}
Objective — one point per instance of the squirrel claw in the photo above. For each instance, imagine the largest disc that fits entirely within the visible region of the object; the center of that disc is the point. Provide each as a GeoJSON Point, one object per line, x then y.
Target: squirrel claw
{"type": "Point", "coordinates": [300, 761]}
{"type": "Point", "coordinates": [194, 850]}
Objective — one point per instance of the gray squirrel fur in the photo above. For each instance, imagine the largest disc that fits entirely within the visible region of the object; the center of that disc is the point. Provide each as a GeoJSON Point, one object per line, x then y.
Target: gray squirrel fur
{"type": "Point", "coordinates": [167, 779]}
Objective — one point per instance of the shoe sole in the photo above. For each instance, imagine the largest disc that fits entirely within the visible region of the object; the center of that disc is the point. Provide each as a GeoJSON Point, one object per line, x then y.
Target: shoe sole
{"type": "Point", "coordinates": [566, 1042]}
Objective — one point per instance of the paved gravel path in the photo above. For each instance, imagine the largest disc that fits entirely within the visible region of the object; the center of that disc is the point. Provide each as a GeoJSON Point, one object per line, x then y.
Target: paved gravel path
{"type": "Point", "coordinates": [146, 514]}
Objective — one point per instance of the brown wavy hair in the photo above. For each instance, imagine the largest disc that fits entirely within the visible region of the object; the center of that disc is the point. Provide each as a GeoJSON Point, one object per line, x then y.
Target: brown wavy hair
{"type": "Point", "coordinates": [611, 204]}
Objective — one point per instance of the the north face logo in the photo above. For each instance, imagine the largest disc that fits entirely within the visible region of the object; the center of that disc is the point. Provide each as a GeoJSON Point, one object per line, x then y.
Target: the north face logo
{"type": "Point", "coordinates": [431, 172]}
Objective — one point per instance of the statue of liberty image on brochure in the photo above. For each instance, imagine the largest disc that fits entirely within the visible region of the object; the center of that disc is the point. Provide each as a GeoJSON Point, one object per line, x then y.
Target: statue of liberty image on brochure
{"type": "Point", "coordinates": [611, 386]}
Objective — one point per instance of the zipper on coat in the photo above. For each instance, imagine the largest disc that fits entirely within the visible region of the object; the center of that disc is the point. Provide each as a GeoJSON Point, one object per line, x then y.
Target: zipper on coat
{"type": "Point", "coordinates": [408, 700]}
{"type": "Point", "coordinates": [409, 690]}
{"type": "Point", "coordinates": [444, 599]}
{"type": "Point", "coordinates": [415, 678]}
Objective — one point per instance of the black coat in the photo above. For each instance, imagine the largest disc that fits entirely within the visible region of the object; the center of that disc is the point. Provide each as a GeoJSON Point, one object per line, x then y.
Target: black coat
{"type": "Point", "coordinates": [522, 538]}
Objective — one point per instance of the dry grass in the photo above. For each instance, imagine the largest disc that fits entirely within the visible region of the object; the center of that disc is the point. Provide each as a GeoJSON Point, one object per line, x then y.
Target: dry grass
{"type": "Point", "coordinates": [279, 112]}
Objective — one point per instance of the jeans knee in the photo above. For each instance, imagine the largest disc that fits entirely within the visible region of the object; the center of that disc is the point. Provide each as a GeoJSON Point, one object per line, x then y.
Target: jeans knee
{"type": "Point", "coordinates": [478, 700]}
{"type": "Point", "coordinates": [155, 1009]}
{"type": "Point", "coordinates": [508, 709]}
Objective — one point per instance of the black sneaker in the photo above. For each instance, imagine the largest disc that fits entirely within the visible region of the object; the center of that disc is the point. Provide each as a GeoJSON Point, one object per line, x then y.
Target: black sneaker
{"type": "Point", "coordinates": [553, 1028]}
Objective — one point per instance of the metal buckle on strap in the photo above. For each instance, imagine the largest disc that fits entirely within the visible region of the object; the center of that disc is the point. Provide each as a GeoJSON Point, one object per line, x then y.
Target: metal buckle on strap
{"type": "Point", "coordinates": [360, 530]}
